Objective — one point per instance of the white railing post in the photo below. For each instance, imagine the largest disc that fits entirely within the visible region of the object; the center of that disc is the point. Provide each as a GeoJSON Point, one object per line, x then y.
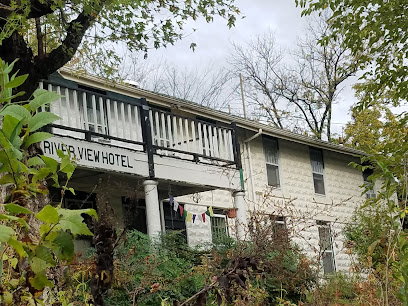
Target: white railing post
{"type": "Point", "coordinates": [85, 107]}
{"type": "Point", "coordinates": [109, 117]}
{"type": "Point", "coordinates": [200, 138]}
{"type": "Point", "coordinates": [76, 107]}
{"type": "Point", "coordinates": [68, 107]}
{"type": "Point", "coordinates": [187, 134]}
{"type": "Point", "coordinates": [130, 125]}
{"type": "Point", "coordinates": [193, 136]}
{"type": "Point", "coordinates": [102, 117]}
{"type": "Point", "coordinates": [123, 119]}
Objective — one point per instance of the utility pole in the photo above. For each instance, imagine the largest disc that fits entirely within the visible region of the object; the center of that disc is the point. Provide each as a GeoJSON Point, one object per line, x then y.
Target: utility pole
{"type": "Point", "coordinates": [242, 94]}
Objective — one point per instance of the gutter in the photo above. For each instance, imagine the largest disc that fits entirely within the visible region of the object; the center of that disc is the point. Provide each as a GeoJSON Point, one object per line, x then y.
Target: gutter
{"type": "Point", "coordinates": [249, 156]}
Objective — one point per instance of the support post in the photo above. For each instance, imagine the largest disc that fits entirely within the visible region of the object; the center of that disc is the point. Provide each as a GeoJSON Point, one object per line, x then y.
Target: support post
{"type": "Point", "coordinates": [235, 145]}
{"type": "Point", "coordinates": [241, 220]}
{"type": "Point", "coordinates": [153, 220]}
{"type": "Point", "coordinates": [147, 136]}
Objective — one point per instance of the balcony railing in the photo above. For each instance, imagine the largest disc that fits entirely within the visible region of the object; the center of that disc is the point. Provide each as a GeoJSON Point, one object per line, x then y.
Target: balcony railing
{"type": "Point", "coordinates": [135, 125]}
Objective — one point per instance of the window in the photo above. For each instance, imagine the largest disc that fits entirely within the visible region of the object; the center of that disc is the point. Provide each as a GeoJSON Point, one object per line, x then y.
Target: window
{"type": "Point", "coordinates": [370, 193]}
{"type": "Point", "coordinates": [316, 159]}
{"type": "Point", "coordinates": [326, 247]}
{"type": "Point", "coordinates": [134, 213]}
{"type": "Point", "coordinates": [271, 152]}
{"type": "Point", "coordinates": [280, 232]}
{"type": "Point", "coordinates": [81, 200]}
{"type": "Point", "coordinates": [173, 221]}
{"type": "Point", "coordinates": [219, 229]}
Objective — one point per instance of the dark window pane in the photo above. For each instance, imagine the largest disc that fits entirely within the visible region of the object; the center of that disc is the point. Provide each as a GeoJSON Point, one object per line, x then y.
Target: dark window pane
{"type": "Point", "coordinates": [134, 212]}
{"type": "Point", "coordinates": [318, 183]}
{"type": "Point", "coordinates": [273, 175]}
{"type": "Point", "coordinates": [366, 173]}
{"type": "Point", "coordinates": [316, 158]}
{"type": "Point", "coordinates": [81, 200]}
{"type": "Point", "coordinates": [271, 151]}
{"type": "Point", "coordinates": [173, 221]}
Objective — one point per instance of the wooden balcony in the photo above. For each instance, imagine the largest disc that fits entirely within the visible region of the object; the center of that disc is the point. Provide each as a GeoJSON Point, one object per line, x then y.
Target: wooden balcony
{"type": "Point", "coordinates": [134, 138]}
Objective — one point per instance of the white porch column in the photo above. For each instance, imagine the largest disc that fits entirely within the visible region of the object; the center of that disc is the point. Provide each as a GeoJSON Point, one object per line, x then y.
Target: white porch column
{"type": "Point", "coordinates": [241, 220]}
{"type": "Point", "coordinates": [152, 208]}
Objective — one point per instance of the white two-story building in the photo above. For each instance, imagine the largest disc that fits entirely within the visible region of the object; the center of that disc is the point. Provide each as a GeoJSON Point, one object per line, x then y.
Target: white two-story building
{"type": "Point", "coordinates": [160, 163]}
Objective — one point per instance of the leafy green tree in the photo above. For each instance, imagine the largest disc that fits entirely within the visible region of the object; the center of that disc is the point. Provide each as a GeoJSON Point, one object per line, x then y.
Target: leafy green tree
{"type": "Point", "coordinates": [376, 29]}
{"type": "Point", "coordinates": [34, 236]}
{"type": "Point", "coordinates": [376, 130]}
{"type": "Point", "coordinates": [45, 35]}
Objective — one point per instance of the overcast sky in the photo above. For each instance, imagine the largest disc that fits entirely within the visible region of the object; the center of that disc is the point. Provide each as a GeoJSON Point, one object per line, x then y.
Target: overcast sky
{"type": "Point", "coordinates": [214, 42]}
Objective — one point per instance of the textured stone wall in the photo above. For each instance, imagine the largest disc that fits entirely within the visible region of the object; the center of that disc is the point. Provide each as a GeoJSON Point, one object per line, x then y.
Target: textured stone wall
{"type": "Point", "coordinates": [199, 232]}
{"type": "Point", "coordinates": [295, 198]}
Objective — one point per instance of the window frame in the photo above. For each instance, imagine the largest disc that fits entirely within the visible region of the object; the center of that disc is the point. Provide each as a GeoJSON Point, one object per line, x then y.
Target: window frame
{"type": "Point", "coordinates": [315, 173]}
{"type": "Point", "coordinates": [131, 209]}
{"type": "Point", "coordinates": [173, 218]}
{"type": "Point", "coordinates": [218, 216]}
{"type": "Point", "coordinates": [328, 252]}
{"type": "Point", "coordinates": [266, 141]}
{"type": "Point", "coordinates": [279, 227]}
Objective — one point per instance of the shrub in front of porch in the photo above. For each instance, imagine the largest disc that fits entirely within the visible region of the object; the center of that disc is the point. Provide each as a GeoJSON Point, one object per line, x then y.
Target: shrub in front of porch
{"type": "Point", "coordinates": [149, 273]}
{"type": "Point", "coordinates": [168, 271]}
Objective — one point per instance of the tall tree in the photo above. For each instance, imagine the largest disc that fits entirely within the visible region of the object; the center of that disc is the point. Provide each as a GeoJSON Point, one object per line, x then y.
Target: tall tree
{"type": "Point", "coordinates": [58, 28]}
{"type": "Point", "coordinates": [376, 129]}
{"type": "Point", "coordinates": [208, 86]}
{"type": "Point", "coordinates": [379, 29]}
{"type": "Point", "coordinates": [302, 94]}
{"type": "Point", "coordinates": [258, 62]}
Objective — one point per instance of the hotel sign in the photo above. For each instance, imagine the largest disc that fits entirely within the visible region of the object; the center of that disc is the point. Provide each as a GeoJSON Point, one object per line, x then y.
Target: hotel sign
{"type": "Point", "coordinates": [97, 155]}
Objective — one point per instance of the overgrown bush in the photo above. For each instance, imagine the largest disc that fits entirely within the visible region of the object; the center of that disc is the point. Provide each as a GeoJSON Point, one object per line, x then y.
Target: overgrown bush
{"type": "Point", "coordinates": [338, 288]}
{"type": "Point", "coordinates": [366, 235]}
{"type": "Point", "coordinates": [168, 271]}
{"type": "Point", "coordinates": [151, 272]}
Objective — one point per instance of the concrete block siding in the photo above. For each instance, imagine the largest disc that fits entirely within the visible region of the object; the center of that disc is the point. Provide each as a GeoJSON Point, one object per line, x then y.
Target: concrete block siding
{"type": "Point", "coordinates": [295, 198]}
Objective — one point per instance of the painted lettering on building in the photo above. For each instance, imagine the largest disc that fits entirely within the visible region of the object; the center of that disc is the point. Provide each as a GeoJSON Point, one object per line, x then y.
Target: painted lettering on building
{"type": "Point", "coordinates": [89, 154]}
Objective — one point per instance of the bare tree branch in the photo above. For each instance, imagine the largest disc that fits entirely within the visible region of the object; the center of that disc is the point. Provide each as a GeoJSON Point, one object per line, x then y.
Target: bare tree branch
{"type": "Point", "coordinates": [308, 88]}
